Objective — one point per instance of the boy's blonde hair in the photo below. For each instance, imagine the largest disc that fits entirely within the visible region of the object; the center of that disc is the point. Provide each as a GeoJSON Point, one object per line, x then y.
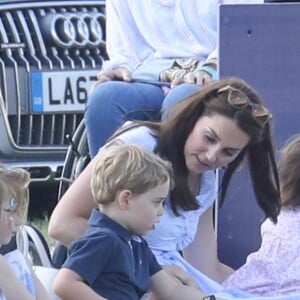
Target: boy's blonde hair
{"type": "Point", "coordinates": [14, 184]}
{"type": "Point", "coordinates": [123, 166]}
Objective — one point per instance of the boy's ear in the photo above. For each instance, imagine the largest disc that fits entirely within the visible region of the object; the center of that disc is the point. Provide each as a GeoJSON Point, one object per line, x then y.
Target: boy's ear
{"type": "Point", "coordinates": [124, 199]}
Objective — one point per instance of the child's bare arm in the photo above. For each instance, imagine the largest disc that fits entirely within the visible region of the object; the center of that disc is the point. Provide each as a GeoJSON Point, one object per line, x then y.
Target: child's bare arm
{"type": "Point", "coordinates": [179, 275]}
{"type": "Point", "coordinates": [165, 288]}
{"type": "Point", "coordinates": [69, 286]}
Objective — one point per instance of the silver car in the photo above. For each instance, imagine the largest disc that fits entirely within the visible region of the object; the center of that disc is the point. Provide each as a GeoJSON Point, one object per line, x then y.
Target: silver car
{"type": "Point", "coordinates": [50, 53]}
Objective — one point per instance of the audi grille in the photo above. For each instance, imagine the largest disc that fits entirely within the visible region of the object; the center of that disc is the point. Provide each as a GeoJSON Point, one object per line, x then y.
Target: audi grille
{"type": "Point", "coordinates": [50, 53]}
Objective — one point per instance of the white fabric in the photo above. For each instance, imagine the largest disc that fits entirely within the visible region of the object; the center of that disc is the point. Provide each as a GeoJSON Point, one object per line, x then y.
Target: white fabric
{"type": "Point", "coordinates": [45, 272]}
{"type": "Point", "coordinates": [142, 31]}
{"type": "Point", "coordinates": [275, 268]}
{"type": "Point", "coordinates": [46, 275]}
{"type": "Point", "coordinates": [18, 263]}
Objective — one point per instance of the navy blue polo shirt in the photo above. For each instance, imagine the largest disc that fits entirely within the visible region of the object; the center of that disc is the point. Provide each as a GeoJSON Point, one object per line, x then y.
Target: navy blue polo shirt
{"type": "Point", "coordinates": [112, 261]}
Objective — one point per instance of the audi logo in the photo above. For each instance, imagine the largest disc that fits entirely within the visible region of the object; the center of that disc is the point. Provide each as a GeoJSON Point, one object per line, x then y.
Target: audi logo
{"type": "Point", "coordinates": [74, 30]}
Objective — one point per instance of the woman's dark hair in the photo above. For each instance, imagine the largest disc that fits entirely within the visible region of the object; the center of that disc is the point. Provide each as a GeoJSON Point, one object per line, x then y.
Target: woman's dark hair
{"type": "Point", "coordinates": [289, 172]}
{"type": "Point", "coordinates": [172, 135]}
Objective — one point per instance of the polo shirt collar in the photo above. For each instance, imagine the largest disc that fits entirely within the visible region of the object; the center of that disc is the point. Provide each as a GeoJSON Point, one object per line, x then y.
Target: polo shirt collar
{"type": "Point", "coordinates": [98, 219]}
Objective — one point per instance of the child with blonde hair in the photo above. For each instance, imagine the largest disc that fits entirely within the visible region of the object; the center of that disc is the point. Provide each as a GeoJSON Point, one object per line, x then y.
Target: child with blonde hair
{"type": "Point", "coordinates": [17, 279]}
{"type": "Point", "coordinates": [112, 260]}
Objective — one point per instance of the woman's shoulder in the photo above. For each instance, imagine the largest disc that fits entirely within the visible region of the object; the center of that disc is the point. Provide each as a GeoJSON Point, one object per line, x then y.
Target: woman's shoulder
{"type": "Point", "coordinates": [139, 135]}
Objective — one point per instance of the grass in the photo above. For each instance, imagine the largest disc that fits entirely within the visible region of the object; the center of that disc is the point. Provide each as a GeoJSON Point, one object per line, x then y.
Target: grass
{"type": "Point", "coordinates": [42, 226]}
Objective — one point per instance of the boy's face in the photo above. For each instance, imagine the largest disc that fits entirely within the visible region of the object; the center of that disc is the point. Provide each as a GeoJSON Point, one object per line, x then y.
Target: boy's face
{"type": "Point", "coordinates": [9, 221]}
{"type": "Point", "coordinates": [146, 209]}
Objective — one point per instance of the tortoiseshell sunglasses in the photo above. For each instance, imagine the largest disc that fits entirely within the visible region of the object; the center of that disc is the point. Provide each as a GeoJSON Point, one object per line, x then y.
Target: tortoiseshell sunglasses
{"type": "Point", "coordinates": [239, 100]}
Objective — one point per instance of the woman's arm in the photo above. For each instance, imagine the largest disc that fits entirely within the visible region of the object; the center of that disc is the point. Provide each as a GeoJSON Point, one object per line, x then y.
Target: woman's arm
{"type": "Point", "coordinates": [202, 253]}
{"type": "Point", "coordinates": [69, 218]}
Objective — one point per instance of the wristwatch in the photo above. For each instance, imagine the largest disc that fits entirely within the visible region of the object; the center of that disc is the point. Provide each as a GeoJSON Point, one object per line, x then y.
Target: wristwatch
{"type": "Point", "coordinates": [211, 297]}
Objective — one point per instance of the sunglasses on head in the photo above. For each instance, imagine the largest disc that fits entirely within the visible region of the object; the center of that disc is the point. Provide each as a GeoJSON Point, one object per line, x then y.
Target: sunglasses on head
{"type": "Point", "coordinates": [239, 101]}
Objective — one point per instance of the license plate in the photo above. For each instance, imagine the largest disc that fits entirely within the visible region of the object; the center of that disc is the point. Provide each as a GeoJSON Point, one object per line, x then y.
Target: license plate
{"type": "Point", "coordinates": [61, 91]}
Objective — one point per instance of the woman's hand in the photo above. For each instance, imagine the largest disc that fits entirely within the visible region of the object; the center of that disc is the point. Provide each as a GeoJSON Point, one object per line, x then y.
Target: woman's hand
{"type": "Point", "coordinates": [116, 74]}
{"type": "Point", "coordinates": [180, 275]}
{"type": "Point", "coordinates": [198, 77]}
{"type": "Point", "coordinates": [121, 74]}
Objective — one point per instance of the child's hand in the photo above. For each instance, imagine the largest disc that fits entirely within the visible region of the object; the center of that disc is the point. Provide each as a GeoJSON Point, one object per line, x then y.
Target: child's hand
{"type": "Point", "coordinates": [180, 275]}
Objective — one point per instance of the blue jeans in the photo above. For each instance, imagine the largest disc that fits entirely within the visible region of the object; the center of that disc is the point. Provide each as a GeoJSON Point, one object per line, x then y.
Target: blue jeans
{"type": "Point", "coordinates": [114, 102]}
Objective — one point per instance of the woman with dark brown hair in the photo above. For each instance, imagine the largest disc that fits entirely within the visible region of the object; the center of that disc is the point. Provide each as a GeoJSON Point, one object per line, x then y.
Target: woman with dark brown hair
{"type": "Point", "coordinates": [217, 127]}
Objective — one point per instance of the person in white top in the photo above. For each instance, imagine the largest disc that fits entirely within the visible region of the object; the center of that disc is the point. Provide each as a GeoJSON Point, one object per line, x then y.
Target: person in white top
{"type": "Point", "coordinates": [152, 45]}
{"type": "Point", "coordinates": [216, 127]}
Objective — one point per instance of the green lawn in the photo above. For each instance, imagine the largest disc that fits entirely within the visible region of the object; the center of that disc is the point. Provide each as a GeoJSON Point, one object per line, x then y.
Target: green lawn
{"type": "Point", "coordinates": [42, 225]}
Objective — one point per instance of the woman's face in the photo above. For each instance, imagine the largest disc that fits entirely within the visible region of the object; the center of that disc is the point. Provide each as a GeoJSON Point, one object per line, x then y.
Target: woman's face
{"type": "Point", "coordinates": [214, 142]}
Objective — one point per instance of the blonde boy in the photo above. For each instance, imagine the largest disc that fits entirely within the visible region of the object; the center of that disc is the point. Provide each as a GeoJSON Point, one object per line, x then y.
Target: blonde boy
{"type": "Point", "coordinates": [111, 260]}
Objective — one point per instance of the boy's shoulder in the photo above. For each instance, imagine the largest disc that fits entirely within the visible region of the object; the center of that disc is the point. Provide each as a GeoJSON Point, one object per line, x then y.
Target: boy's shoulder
{"type": "Point", "coordinates": [100, 233]}
{"type": "Point", "coordinates": [92, 239]}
